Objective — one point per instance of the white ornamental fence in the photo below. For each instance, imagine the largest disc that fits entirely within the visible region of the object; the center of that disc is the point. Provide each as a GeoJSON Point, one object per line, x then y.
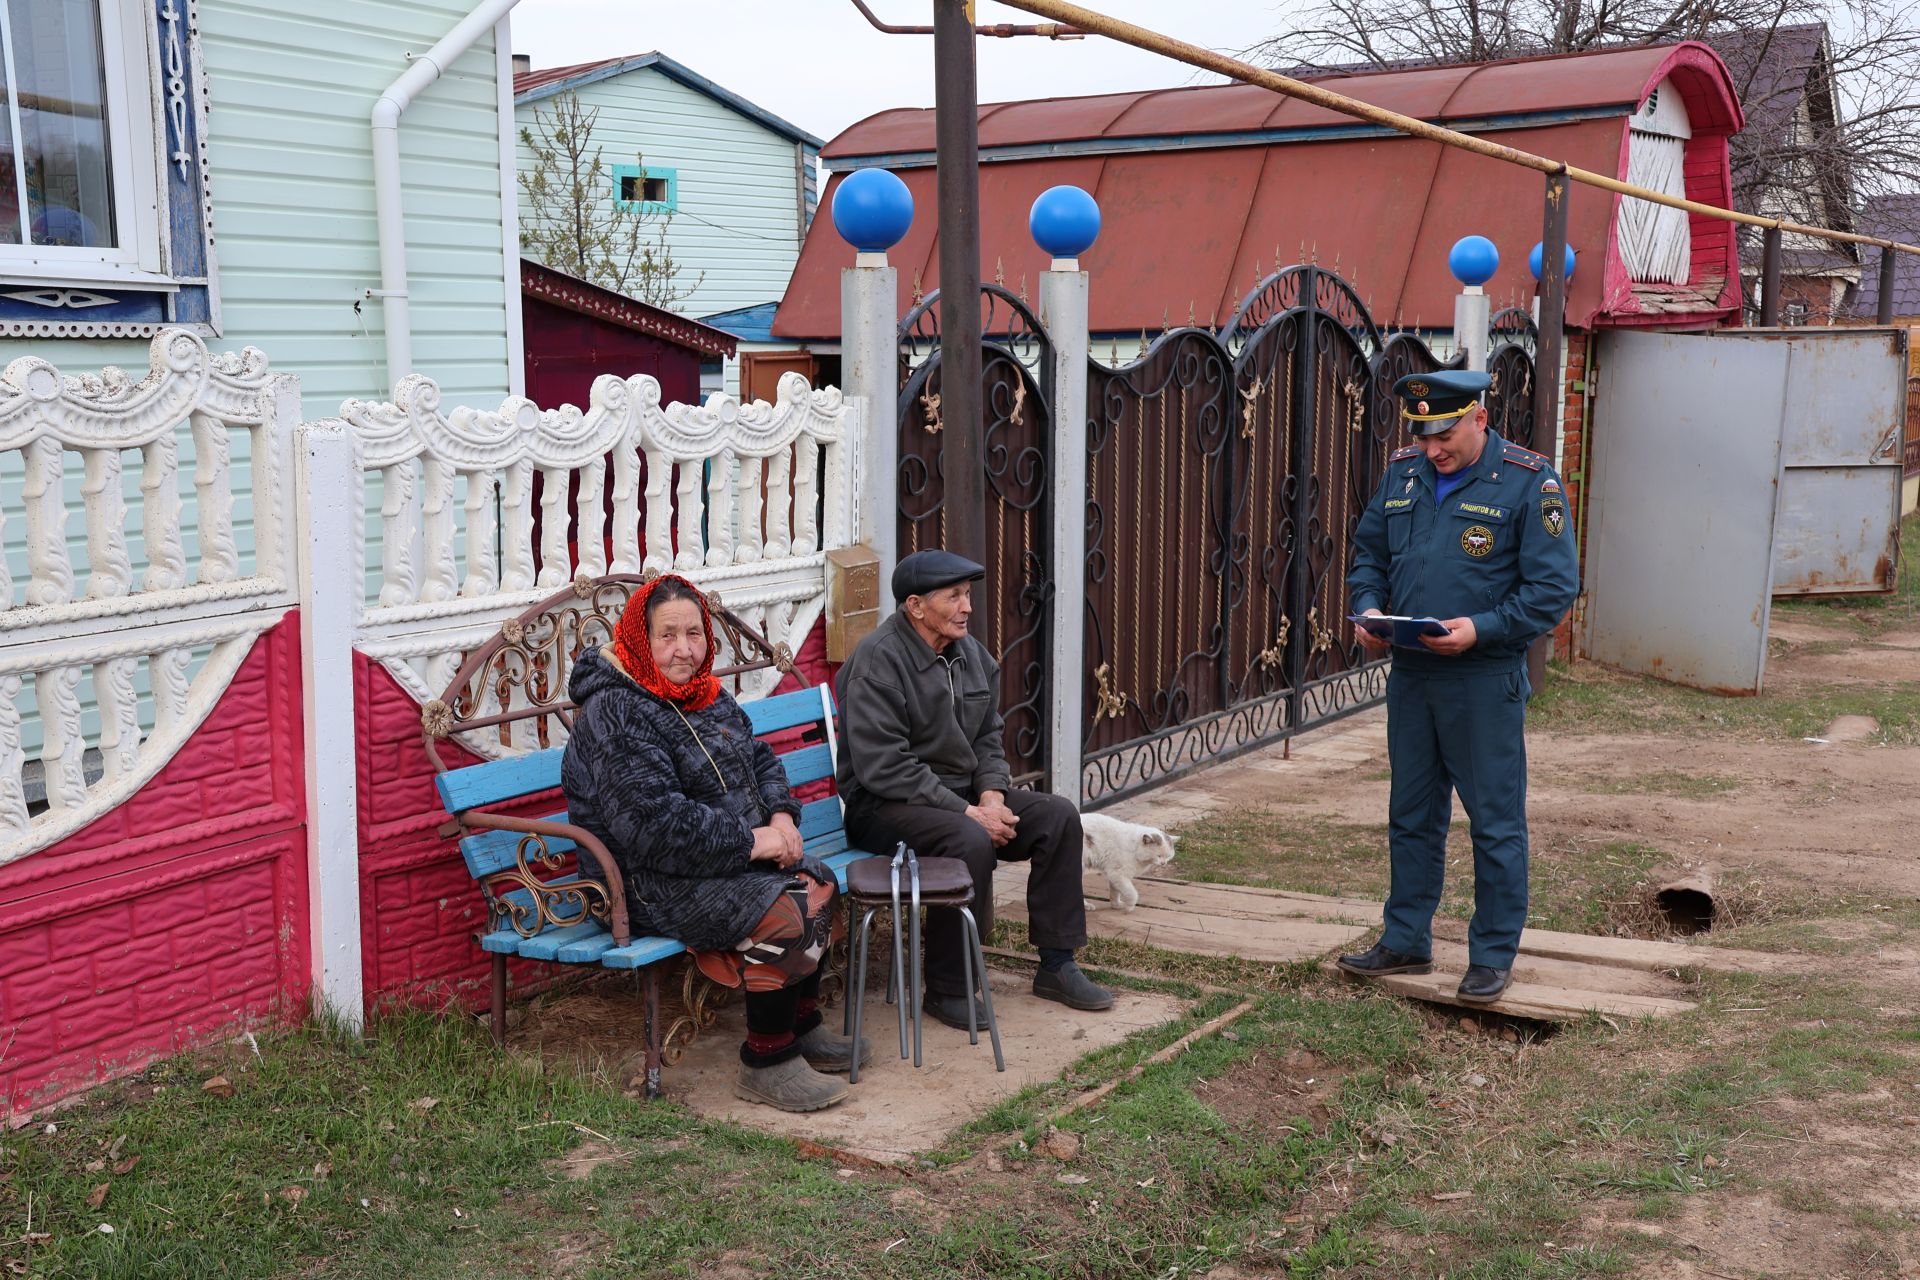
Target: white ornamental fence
{"type": "Point", "coordinates": [145, 544]}
{"type": "Point", "coordinates": [745, 499]}
{"type": "Point", "coordinates": [114, 648]}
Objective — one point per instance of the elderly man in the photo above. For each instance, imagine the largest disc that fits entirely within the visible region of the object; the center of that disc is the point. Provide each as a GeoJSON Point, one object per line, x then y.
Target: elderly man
{"type": "Point", "coordinates": [923, 764]}
{"type": "Point", "coordinates": [1472, 531]}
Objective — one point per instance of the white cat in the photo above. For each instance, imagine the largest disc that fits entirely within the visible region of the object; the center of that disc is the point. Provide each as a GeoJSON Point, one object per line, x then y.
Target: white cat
{"type": "Point", "coordinates": [1122, 850]}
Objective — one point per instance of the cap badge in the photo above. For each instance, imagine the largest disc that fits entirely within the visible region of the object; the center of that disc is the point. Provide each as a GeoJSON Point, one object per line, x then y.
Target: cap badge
{"type": "Point", "coordinates": [1421, 407]}
{"type": "Point", "coordinates": [1416, 388]}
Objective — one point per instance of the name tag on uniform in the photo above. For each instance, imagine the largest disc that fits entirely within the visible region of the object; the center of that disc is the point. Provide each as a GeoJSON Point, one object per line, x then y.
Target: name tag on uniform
{"type": "Point", "coordinates": [1394, 504]}
{"type": "Point", "coordinates": [1482, 510]}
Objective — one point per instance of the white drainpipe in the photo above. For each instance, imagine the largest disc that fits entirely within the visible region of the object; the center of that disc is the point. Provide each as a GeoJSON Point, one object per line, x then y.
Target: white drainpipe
{"type": "Point", "coordinates": [389, 213]}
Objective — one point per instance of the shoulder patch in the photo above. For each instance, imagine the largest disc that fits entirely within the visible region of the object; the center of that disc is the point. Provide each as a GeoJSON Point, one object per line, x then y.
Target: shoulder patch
{"type": "Point", "coordinates": [1411, 451]}
{"type": "Point", "coordinates": [1525, 458]}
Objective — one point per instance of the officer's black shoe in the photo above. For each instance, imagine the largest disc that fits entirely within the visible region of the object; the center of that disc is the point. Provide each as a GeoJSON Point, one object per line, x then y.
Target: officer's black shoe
{"type": "Point", "coordinates": [1483, 983]}
{"type": "Point", "coordinates": [1378, 961]}
{"type": "Point", "coordinates": [952, 1010]}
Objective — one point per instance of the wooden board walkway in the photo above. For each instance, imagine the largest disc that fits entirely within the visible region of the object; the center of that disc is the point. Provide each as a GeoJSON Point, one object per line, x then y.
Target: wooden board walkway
{"type": "Point", "coordinates": [1558, 977]}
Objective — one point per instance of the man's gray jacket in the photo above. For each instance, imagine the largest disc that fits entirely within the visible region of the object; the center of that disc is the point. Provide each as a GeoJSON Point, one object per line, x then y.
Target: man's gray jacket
{"type": "Point", "coordinates": [920, 727]}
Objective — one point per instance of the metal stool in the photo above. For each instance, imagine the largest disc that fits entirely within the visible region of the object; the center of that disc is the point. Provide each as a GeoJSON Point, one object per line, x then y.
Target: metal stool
{"type": "Point", "coordinates": [873, 886]}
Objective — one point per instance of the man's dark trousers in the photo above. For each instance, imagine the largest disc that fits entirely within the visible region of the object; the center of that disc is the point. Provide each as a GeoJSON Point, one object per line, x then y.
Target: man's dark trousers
{"type": "Point", "coordinates": [1462, 732]}
{"type": "Point", "coordinates": [1048, 836]}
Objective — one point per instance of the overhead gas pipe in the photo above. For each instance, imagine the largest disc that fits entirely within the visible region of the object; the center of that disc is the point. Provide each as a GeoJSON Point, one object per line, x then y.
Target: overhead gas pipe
{"type": "Point", "coordinates": [1092, 22]}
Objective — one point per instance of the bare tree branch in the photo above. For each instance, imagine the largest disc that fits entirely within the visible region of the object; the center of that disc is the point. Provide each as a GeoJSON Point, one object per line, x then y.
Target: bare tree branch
{"type": "Point", "coordinates": [575, 221]}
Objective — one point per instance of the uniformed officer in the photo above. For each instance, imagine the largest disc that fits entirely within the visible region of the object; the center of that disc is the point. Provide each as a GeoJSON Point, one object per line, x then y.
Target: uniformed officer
{"type": "Point", "coordinates": [1471, 530]}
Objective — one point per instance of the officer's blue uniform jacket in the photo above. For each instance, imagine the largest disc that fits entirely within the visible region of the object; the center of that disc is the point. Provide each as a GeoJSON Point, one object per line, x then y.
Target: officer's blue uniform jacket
{"type": "Point", "coordinates": [1499, 550]}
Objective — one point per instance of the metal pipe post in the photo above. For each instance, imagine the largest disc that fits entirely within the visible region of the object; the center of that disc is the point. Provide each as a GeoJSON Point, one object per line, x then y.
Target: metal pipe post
{"type": "Point", "coordinates": [1770, 277]}
{"type": "Point", "coordinates": [1884, 314]}
{"type": "Point", "coordinates": [1553, 315]}
{"type": "Point", "coordinates": [1546, 359]}
{"type": "Point", "coordinates": [956, 120]}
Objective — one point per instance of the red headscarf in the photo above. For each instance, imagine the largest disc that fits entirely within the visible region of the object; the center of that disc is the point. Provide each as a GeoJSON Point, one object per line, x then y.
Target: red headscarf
{"type": "Point", "coordinates": [633, 649]}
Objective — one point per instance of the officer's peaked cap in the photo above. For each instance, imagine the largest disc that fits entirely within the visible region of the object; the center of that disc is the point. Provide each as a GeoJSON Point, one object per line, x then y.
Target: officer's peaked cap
{"type": "Point", "coordinates": [1432, 402]}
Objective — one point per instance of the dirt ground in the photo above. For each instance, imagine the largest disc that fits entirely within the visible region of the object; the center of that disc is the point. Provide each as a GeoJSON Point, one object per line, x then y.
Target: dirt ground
{"type": "Point", "coordinates": [1829, 816]}
{"type": "Point", "coordinates": [1840, 813]}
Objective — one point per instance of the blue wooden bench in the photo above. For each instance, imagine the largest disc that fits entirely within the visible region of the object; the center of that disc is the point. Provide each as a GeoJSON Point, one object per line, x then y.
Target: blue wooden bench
{"type": "Point", "coordinates": [536, 908]}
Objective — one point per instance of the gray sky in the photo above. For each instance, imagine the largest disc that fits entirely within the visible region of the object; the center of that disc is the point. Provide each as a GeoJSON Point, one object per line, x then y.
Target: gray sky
{"type": "Point", "coordinates": [818, 64]}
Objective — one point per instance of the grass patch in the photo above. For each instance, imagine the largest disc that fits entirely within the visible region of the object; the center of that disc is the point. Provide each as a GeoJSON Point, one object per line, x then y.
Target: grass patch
{"type": "Point", "coordinates": [1589, 698]}
{"type": "Point", "coordinates": [1333, 1132]}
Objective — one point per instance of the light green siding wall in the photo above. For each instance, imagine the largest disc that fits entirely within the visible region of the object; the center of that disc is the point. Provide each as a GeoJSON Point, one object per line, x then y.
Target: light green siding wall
{"type": "Point", "coordinates": [291, 90]}
{"type": "Point", "coordinates": [740, 191]}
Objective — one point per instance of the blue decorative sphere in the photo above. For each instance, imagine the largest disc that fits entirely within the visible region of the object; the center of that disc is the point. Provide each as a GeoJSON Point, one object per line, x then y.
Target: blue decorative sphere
{"type": "Point", "coordinates": [1473, 260]}
{"type": "Point", "coordinates": [1065, 221]}
{"type": "Point", "coordinates": [1536, 261]}
{"type": "Point", "coordinates": [872, 209]}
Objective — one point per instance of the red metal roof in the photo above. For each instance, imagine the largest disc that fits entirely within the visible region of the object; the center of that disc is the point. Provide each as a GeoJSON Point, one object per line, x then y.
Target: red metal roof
{"type": "Point", "coordinates": [1617, 79]}
{"type": "Point", "coordinates": [1192, 218]}
{"type": "Point", "coordinates": [588, 299]}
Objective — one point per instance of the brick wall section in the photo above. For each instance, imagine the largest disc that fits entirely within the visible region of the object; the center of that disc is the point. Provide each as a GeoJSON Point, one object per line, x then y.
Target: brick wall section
{"type": "Point", "coordinates": [419, 910]}
{"type": "Point", "coordinates": [177, 919]}
{"type": "Point", "coordinates": [1573, 435]}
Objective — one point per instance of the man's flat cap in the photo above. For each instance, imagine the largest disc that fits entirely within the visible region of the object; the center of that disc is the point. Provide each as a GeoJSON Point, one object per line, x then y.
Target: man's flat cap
{"type": "Point", "coordinates": [1433, 402]}
{"type": "Point", "coordinates": [930, 570]}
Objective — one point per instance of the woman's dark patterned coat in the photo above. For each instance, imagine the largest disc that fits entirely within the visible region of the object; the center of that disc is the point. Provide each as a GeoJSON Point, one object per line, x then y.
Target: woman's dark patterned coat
{"type": "Point", "coordinates": [635, 777]}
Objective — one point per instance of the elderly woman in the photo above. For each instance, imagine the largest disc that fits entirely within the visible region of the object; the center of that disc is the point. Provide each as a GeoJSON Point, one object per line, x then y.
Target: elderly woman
{"type": "Point", "coordinates": [663, 766]}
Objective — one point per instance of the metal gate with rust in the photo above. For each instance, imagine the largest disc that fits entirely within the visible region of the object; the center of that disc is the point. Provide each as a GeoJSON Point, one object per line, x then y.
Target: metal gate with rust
{"type": "Point", "coordinates": [1225, 474]}
{"type": "Point", "coordinates": [1017, 449]}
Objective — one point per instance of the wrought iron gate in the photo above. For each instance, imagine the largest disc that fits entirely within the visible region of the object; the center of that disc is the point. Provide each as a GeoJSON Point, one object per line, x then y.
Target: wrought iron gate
{"type": "Point", "coordinates": [1227, 474]}
{"type": "Point", "coordinates": [1013, 614]}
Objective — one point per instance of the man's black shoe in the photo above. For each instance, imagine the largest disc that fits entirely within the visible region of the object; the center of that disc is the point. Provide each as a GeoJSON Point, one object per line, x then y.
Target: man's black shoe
{"type": "Point", "coordinates": [1483, 983]}
{"type": "Point", "coordinates": [952, 1010]}
{"type": "Point", "coordinates": [1072, 988]}
{"type": "Point", "coordinates": [1378, 961]}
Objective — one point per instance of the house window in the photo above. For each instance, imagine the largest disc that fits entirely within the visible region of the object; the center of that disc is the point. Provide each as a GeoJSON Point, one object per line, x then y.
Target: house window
{"type": "Point", "coordinates": [649, 189]}
{"type": "Point", "coordinates": [1795, 313]}
{"type": "Point", "coordinates": [103, 226]}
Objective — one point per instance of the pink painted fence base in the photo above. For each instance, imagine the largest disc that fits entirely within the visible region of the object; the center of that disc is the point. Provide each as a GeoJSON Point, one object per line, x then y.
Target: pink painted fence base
{"type": "Point", "coordinates": [176, 920]}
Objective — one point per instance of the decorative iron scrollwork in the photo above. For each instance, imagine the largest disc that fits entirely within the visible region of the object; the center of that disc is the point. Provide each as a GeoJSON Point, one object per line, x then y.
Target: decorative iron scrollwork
{"type": "Point", "coordinates": [1108, 702]}
{"type": "Point", "coordinates": [436, 718]}
{"type": "Point", "coordinates": [931, 403]}
{"type": "Point", "coordinates": [546, 905]}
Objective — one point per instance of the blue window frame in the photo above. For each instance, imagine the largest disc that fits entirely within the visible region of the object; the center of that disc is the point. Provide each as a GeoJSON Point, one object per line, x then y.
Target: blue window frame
{"type": "Point", "coordinates": [646, 189]}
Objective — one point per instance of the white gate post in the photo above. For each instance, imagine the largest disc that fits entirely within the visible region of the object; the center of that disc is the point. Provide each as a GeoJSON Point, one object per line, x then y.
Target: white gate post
{"type": "Point", "coordinates": [1472, 313]}
{"type": "Point", "coordinates": [869, 369]}
{"type": "Point", "coordinates": [1063, 313]}
{"type": "Point", "coordinates": [328, 500]}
